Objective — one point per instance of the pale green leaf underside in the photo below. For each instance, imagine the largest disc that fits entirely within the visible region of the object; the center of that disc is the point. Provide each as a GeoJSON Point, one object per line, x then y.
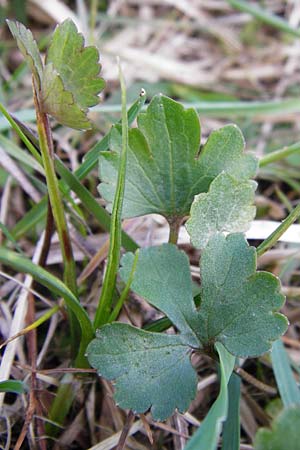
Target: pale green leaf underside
{"type": "Point", "coordinates": [77, 65]}
{"type": "Point", "coordinates": [162, 277]}
{"type": "Point", "coordinates": [284, 434]}
{"type": "Point", "coordinates": [60, 103]}
{"type": "Point", "coordinates": [239, 305]}
{"type": "Point", "coordinates": [227, 207]}
{"type": "Point", "coordinates": [164, 172]}
{"type": "Point", "coordinates": [151, 370]}
{"type": "Point", "coordinates": [28, 48]}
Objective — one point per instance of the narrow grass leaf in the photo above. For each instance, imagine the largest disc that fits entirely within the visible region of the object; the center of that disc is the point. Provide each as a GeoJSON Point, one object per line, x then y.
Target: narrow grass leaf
{"type": "Point", "coordinates": [105, 302]}
{"type": "Point", "coordinates": [206, 438]}
{"type": "Point", "coordinates": [231, 427]}
{"type": "Point", "coordinates": [287, 385]}
{"type": "Point", "coordinates": [14, 386]}
{"type": "Point", "coordinates": [56, 286]}
{"type": "Point", "coordinates": [265, 16]}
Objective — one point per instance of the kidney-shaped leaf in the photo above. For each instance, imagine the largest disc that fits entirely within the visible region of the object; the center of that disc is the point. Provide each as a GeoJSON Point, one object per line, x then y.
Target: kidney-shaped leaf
{"type": "Point", "coordinates": [284, 434]}
{"type": "Point", "coordinates": [227, 207]}
{"type": "Point", "coordinates": [151, 370]}
{"type": "Point", "coordinates": [239, 305]}
{"type": "Point", "coordinates": [165, 170]}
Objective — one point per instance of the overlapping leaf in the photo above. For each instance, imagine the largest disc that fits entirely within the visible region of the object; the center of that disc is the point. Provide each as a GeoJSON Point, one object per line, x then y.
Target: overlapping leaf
{"type": "Point", "coordinates": [238, 305]}
{"type": "Point", "coordinates": [28, 48]}
{"type": "Point", "coordinates": [152, 369]}
{"type": "Point", "coordinates": [238, 309]}
{"type": "Point", "coordinates": [284, 434]}
{"type": "Point", "coordinates": [70, 81]}
{"type": "Point", "coordinates": [165, 170]}
{"type": "Point", "coordinates": [227, 207]}
{"type": "Point", "coordinates": [77, 65]}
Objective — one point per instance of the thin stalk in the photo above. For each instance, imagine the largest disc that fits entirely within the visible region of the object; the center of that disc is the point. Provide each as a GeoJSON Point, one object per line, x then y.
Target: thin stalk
{"type": "Point", "coordinates": [279, 154]}
{"type": "Point", "coordinates": [104, 307]}
{"type": "Point", "coordinates": [47, 153]}
{"type": "Point", "coordinates": [274, 237]}
{"type": "Point", "coordinates": [174, 230]}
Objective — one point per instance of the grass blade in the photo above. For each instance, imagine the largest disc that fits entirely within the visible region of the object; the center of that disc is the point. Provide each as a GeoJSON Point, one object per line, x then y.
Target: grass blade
{"type": "Point", "coordinates": [289, 391]}
{"type": "Point", "coordinates": [231, 429]}
{"type": "Point", "coordinates": [264, 16]}
{"type": "Point", "coordinates": [206, 438]}
{"type": "Point", "coordinates": [22, 264]}
{"type": "Point", "coordinates": [17, 387]}
{"type": "Point", "coordinates": [104, 307]}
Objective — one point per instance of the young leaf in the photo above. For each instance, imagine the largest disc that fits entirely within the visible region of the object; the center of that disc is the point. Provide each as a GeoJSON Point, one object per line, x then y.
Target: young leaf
{"type": "Point", "coordinates": [284, 433]}
{"type": "Point", "coordinates": [150, 369]}
{"type": "Point", "coordinates": [165, 171]}
{"type": "Point", "coordinates": [77, 65]}
{"type": "Point", "coordinates": [28, 47]}
{"type": "Point", "coordinates": [71, 77]}
{"type": "Point", "coordinates": [59, 103]}
{"type": "Point", "coordinates": [227, 207]}
{"type": "Point", "coordinates": [239, 305]}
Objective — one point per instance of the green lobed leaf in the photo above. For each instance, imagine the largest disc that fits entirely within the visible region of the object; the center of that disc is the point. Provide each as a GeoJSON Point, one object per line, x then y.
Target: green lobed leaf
{"type": "Point", "coordinates": [284, 434]}
{"type": "Point", "coordinates": [238, 309]}
{"type": "Point", "coordinates": [28, 47]}
{"type": "Point", "coordinates": [150, 369]}
{"type": "Point", "coordinates": [71, 77]}
{"type": "Point", "coordinates": [239, 305]}
{"type": "Point", "coordinates": [162, 277]}
{"type": "Point", "coordinates": [227, 207]}
{"type": "Point", "coordinates": [165, 170]}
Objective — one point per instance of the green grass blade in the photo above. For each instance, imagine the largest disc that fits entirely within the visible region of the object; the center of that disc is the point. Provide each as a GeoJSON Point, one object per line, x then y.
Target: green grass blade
{"type": "Point", "coordinates": [36, 215]}
{"type": "Point", "coordinates": [90, 203]}
{"type": "Point", "coordinates": [279, 154]}
{"type": "Point", "coordinates": [288, 388]}
{"type": "Point", "coordinates": [14, 386]}
{"type": "Point", "coordinates": [22, 264]}
{"type": "Point", "coordinates": [273, 238]}
{"type": "Point", "coordinates": [20, 133]}
{"type": "Point", "coordinates": [231, 428]}
{"type": "Point", "coordinates": [264, 16]}
{"type": "Point", "coordinates": [10, 236]}
{"type": "Point", "coordinates": [206, 438]}
{"type": "Point", "coordinates": [260, 109]}
{"type": "Point", "coordinates": [72, 181]}
{"type": "Point", "coordinates": [104, 307]}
